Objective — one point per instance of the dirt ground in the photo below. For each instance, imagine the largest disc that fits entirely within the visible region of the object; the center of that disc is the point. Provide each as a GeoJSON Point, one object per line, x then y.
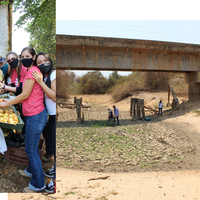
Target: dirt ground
{"type": "Point", "coordinates": [11, 181]}
{"type": "Point", "coordinates": [74, 185]}
{"type": "Point", "coordinates": [177, 179]}
{"type": "Point", "coordinates": [171, 139]}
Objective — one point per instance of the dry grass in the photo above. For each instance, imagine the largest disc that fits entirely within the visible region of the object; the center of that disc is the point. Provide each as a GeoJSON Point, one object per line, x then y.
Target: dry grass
{"type": "Point", "coordinates": [62, 84]}
{"type": "Point", "coordinates": [98, 98]}
{"type": "Point", "coordinates": [140, 81]}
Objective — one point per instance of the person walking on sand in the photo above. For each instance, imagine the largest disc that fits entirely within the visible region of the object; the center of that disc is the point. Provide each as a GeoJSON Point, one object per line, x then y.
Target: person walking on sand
{"type": "Point", "coordinates": [110, 117]}
{"type": "Point", "coordinates": [160, 105]}
{"type": "Point", "coordinates": [116, 114]}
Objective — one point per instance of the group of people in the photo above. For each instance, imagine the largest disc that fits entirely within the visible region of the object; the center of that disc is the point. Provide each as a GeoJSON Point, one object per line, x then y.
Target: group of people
{"type": "Point", "coordinates": [111, 116]}
{"type": "Point", "coordinates": [32, 77]}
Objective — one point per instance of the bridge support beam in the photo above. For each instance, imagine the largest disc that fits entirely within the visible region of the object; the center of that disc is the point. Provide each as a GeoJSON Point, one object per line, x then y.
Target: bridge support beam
{"type": "Point", "coordinates": [194, 91]}
{"type": "Point", "coordinates": [192, 77]}
{"type": "Point", "coordinates": [193, 80]}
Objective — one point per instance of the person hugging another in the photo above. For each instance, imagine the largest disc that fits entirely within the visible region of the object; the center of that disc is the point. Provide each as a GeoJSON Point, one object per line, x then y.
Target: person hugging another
{"type": "Point", "coordinates": [47, 80]}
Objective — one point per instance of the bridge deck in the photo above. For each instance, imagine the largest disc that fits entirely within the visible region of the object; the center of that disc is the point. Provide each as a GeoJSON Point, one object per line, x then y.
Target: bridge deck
{"type": "Point", "coordinates": [114, 54]}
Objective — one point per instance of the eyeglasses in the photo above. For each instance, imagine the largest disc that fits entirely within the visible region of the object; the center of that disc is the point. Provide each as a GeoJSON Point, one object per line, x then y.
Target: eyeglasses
{"type": "Point", "coordinates": [10, 60]}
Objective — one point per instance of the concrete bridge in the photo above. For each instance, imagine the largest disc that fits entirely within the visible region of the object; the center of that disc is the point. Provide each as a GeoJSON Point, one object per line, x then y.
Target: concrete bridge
{"type": "Point", "coordinates": [114, 54]}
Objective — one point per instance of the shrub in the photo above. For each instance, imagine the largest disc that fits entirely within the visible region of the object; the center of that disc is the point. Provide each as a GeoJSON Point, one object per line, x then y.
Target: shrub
{"type": "Point", "coordinates": [127, 85]}
{"type": "Point", "coordinates": [93, 83]}
{"type": "Point", "coordinates": [62, 84]}
{"type": "Point", "coordinates": [140, 81]}
{"type": "Point", "coordinates": [156, 80]}
{"type": "Point", "coordinates": [177, 81]}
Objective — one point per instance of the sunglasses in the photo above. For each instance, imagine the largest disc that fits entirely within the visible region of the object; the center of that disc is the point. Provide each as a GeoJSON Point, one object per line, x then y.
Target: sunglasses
{"type": "Point", "coordinates": [10, 60]}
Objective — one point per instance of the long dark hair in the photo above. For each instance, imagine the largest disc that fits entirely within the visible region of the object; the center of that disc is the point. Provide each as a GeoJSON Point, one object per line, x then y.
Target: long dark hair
{"type": "Point", "coordinates": [19, 66]}
{"type": "Point", "coordinates": [31, 50]}
{"type": "Point", "coordinates": [48, 81]}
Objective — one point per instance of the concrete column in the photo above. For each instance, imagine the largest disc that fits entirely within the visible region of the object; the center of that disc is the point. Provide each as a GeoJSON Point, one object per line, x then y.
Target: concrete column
{"type": "Point", "coordinates": [192, 77]}
{"type": "Point", "coordinates": [193, 80]}
{"type": "Point", "coordinates": [194, 91]}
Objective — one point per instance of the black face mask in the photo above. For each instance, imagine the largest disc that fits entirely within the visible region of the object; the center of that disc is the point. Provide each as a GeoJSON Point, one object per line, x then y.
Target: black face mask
{"type": "Point", "coordinates": [13, 64]}
{"type": "Point", "coordinates": [27, 62]}
{"type": "Point", "coordinates": [45, 68]}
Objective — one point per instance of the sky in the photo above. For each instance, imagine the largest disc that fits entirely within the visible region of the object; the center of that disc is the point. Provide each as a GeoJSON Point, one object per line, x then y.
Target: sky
{"type": "Point", "coordinates": [130, 19]}
{"type": "Point", "coordinates": [20, 37]}
{"type": "Point", "coordinates": [146, 20]}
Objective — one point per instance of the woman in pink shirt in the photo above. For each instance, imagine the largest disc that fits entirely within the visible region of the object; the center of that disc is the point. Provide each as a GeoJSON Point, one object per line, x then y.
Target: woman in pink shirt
{"type": "Point", "coordinates": [17, 73]}
{"type": "Point", "coordinates": [32, 99]}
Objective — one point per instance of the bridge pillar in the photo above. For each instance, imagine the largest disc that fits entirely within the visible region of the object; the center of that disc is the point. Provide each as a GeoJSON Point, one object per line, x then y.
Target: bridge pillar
{"type": "Point", "coordinates": [193, 80]}
{"type": "Point", "coordinates": [194, 91]}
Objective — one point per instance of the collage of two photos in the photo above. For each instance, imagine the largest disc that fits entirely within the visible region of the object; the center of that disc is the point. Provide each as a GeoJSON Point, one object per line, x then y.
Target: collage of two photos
{"type": "Point", "coordinates": [97, 109]}
{"type": "Point", "coordinates": [28, 96]}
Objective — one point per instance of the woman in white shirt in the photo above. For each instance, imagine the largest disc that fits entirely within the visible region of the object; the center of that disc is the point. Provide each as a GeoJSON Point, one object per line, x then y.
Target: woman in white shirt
{"type": "Point", "coordinates": [45, 64]}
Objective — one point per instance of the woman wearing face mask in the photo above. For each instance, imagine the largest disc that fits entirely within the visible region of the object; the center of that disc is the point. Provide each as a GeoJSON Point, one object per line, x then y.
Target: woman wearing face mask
{"type": "Point", "coordinates": [35, 119]}
{"type": "Point", "coordinates": [45, 64]}
{"type": "Point", "coordinates": [17, 73]}
{"type": "Point", "coordinates": [5, 68]}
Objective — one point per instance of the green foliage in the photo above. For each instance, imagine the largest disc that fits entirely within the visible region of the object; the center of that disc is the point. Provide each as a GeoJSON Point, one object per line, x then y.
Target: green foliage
{"type": "Point", "coordinates": [93, 83]}
{"type": "Point", "coordinates": [74, 88]}
{"type": "Point", "coordinates": [113, 78]}
{"type": "Point", "coordinates": [122, 86]}
{"type": "Point", "coordinates": [196, 111]}
{"type": "Point", "coordinates": [5, 2]}
{"type": "Point", "coordinates": [39, 15]}
{"type": "Point", "coordinates": [71, 192]}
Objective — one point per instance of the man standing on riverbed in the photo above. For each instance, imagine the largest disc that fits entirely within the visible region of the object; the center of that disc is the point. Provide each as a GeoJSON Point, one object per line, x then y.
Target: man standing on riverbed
{"type": "Point", "coordinates": [110, 117]}
{"type": "Point", "coordinates": [116, 114]}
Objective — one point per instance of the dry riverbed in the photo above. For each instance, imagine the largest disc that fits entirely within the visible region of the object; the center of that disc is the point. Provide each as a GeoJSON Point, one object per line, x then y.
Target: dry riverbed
{"type": "Point", "coordinates": [157, 159]}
